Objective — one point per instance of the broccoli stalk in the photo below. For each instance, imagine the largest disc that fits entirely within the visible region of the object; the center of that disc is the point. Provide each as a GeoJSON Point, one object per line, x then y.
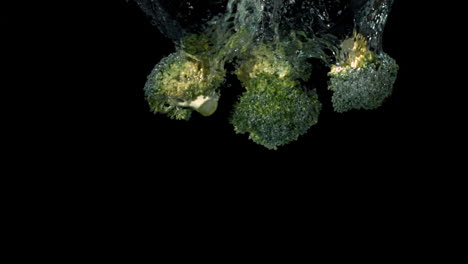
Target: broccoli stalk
{"type": "Point", "coordinates": [205, 105]}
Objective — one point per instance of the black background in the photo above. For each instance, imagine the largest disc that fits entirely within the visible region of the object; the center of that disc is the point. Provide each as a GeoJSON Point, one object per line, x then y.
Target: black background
{"type": "Point", "coordinates": [98, 162]}
{"type": "Point", "coordinates": [98, 57]}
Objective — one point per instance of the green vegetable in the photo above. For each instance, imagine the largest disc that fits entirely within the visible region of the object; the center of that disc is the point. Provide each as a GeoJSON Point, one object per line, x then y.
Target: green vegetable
{"type": "Point", "coordinates": [274, 111]}
{"type": "Point", "coordinates": [362, 79]}
{"type": "Point", "coordinates": [183, 82]}
{"type": "Point", "coordinates": [364, 88]}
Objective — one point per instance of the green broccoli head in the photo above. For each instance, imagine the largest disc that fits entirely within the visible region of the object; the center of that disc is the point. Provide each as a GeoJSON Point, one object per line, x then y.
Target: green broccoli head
{"type": "Point", "coordinates": [364, 88]}
{"type": "Point", "coordinates": [361, 79]}
{"type": "Point", "coordinates": [275, 111]}
{"type": "Point", "coordinates": [182, 82]}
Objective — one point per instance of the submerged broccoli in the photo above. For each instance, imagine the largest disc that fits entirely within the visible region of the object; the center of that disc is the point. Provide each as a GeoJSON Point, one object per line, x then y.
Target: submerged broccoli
{"type": "Point", "coordinates": [183, 82]}
{"type": "Point", "coordinates": [273, 54]}
{"type": "Point", "coordinates": [274, 109]}
{"type": "Point", "coordinates": [361, 79]}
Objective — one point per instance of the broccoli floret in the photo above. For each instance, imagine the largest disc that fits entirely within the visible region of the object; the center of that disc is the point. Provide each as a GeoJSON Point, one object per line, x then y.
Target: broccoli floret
{"type": "Point", "coordinates": [364, 88]}
{"type": "Point", "coordinates": [180, 83]}
{"type": "Point", "coordinates": [362, 79]}
{"type": "Point", "coordinates": [275, 111]}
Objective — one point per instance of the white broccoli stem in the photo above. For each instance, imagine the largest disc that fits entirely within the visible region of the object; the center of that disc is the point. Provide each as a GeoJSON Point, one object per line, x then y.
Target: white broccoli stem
{"type": "Point", "coordinates": [205, 105]}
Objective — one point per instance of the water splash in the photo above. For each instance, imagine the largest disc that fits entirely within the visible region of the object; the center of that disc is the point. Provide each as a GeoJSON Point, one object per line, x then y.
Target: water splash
{"type": "Point", "coordinates": [271, 44]}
